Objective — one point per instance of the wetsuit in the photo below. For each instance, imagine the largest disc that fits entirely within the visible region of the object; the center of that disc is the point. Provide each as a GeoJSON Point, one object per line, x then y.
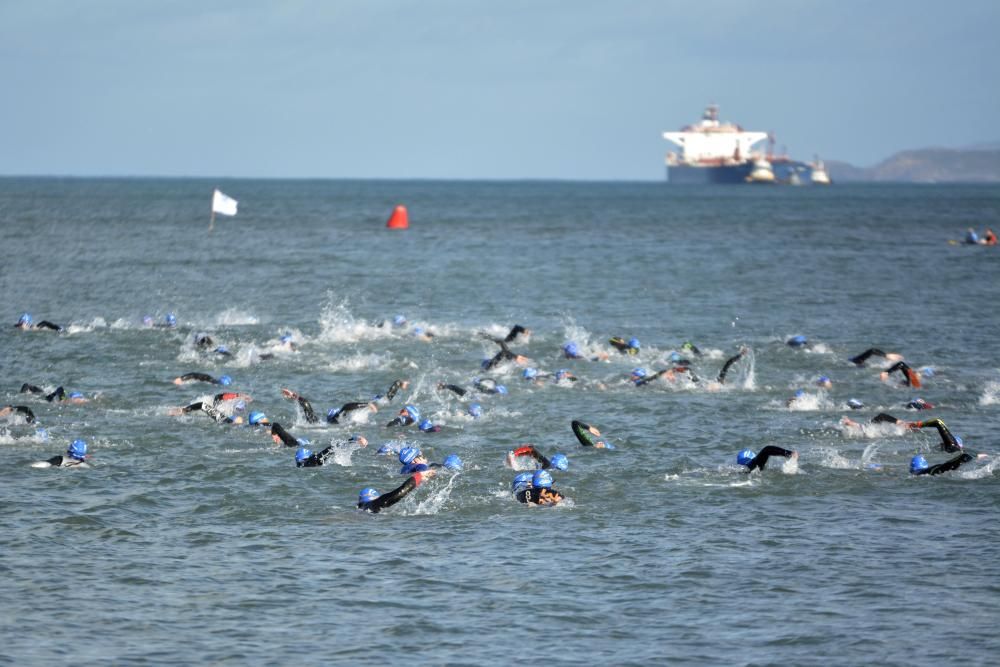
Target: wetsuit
{"type": "Point", "coordinates": [668, 372]}
{"type": "Point", "coordinates": [487, 385]}
{"type": "Point", "coordinates": [514, 331]}
{"type": "Point", "coordinates": [334, 417]}
{"type": "Point", "coordinates": [860, 359]}
{"type": "Point", "coordinates": [910, 376]}
{"type": "Point", "coordinates": [7, 410]}
{"type": "Point", "coordinates": [688, 346]}
{"type": "Point", "coordinates": [760, 460]}
{"type": "Point", "coordinates": [65, 462]}
{"type": "Point", "coordinates": [200, 377]}
{"type": "Point", "coordinates": [203, 341]}
{"type": "Point", "coordinates": [622, 346]}
{"type": "Point", "coordinates": [950, 464]}
{"type": "Point", "coordinates": [586, 436]}
{"type": "Point", "coordinates": [533, 496]}
{"type": "Point", "coordinates": [452, 388]}
{"type": "Point", "coordinates": [44, 324]}
{"type": "Point", "coordinates": [729, 362]}
{"type": "Point", "coordinates": [31, 389]}
{"type": "Point", "coordinates": [287, 439]}
{"type": "Point", "coordinates": [394, 389]}
{"type": "Point", "coordinates": [58, 395]}
{"type": "Point", "coordinates": [401, 420]}
{"type": "Point", "coordinates": [885, 418]}
{"type": "Point", "coordinates": [948, 441]}
{"type": "Point", "coordinates": [211, 409]}
{"type": "Point", "coordinates": [392, 497]}
{"type": "Point", "coordinates": [529, 450]}
{"type": "Point", "coordinates": [500, 357]}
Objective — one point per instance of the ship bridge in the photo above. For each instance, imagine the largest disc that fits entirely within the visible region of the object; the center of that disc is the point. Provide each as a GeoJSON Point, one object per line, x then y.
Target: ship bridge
{"type": "Point", "coordinates": [712, 142]}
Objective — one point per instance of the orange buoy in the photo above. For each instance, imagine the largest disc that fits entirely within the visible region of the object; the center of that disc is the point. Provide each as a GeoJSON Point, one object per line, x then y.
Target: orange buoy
{"type": "Point", "coordinates": [399, 219]}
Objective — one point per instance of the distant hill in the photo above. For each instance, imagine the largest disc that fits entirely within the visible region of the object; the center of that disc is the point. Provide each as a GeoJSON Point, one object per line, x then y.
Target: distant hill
{"type": "Point", "coordinates": [927, 165]}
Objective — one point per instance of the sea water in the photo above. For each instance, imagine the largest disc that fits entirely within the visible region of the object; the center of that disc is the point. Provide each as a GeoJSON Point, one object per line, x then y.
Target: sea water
{"type": "Point", "coordinates": [191, 542]}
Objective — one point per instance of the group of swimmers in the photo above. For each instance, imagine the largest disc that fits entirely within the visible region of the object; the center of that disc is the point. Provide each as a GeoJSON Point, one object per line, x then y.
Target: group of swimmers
{"type": "Point", "coordinates": [533, 487]}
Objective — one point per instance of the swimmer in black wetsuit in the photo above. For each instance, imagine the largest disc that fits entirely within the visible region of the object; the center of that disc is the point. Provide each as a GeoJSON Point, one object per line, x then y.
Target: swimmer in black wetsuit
{"type": "Point", "coordinates": [558, 461]}
{"type": "Point", "coordinates": [26, 322]}
{"type": "Point", "coordinates": [9, 412]}
{"type": "Point", "coordinates": [753, 461]}
{"type": "Point", "coordinates": [58, 395]}
{"type": "Point", "coordinates": [640, 378]}
{"type": "Point", "coordinates": [223, 380]}
{"type": "Point", "coordinates": [503, 356]}
{"type": "Point", "coordinates": [630, 346]}
{"type": "Point", "coordinates": [408, 415]}
{"type": "Point", "coordinates": [860, 359]}
{"type": "Point", "coordinates": [588, 436]}
{"type": "Point", "coordinates": [910, 377]}
{"type": "Point", "coordinates": [488, 386]}
{"type": "Point", "coordinates": [370, 500]}
{"type": "Point", "coordinates": [306, 458]}
{"type": "Point", "coordinates": [454, 388]}
{"type": "Point", "coordinates": [213, 409]}
{"type": "Point", "coordinates": [307, 408]}
{"type": "Point", "coordinates": [949, 441]}
{"type": "Point", "coordinates": [919, 465]}
{"type": "Point", "coordinates": [540, 491]}
{"type": "Point", "coordinates": [729, 362]}
{"type": "Point", "coordinates": [333, 416]}
{"type": "Point", "coordinates": [76, 456]}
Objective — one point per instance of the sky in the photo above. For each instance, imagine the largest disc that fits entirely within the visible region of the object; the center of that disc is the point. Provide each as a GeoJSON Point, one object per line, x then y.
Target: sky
{"type": "Point", "coordinates": [469, 89]}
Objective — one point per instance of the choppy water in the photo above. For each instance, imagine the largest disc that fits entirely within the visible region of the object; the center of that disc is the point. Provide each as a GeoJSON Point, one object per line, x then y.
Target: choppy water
{"type": "Point", "coordinates": [190, 542]}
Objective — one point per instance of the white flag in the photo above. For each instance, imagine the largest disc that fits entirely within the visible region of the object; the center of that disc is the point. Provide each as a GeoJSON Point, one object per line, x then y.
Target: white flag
{"type": "Point", "coordinates": [223, 204]}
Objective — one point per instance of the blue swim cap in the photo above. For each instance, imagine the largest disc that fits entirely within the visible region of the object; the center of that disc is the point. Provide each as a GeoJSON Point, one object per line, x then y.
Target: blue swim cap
{"type": "Point", "coordinates": [918, 464]}
{"type": "Point", "coordinates": [959, 442]}
{"type": "Point", "coordinates": [559, 461]}
{"type": "Point", "coordinates": [823, 380]}
{"type": "Point", "coordinates": [407, 454]}
{"type": "Point", "coordinates": [562, 374]}
{"type": "Point", "coordinates": [501, 389]}
{"type": "Point", "coordinates": [25, 319]}
{"type": "Point", "coordinates": [332, 413]}
{"type": "Point", "coordinates": [426, 425]}
{"type": "Point", "coordinates": [745, 457]}
{"type": "Point", "coordinates": [799, 393]}
{"type": "Point", "coordinates": [452, 462]}
{"type": "Point", "coordinates": [367, 495]}
{"type": "Point", "coordinates": [301, 454]}
{"type": "Point", "coordinates": [222, 349]}
{"type": "Point", "coordinates": [399, 320]}
{"type": "Point", "coordinates": [78, 450]}
{"type": "Point", "coordinates": [412, 412]}
{"type": "Point", "coordinates": [256, 418]}
{"type": "Point", "coordinates": [522, 481]}
{"type": "Point", "coordinates": [529, 373]}
{"type": "Point", "coordinates": [418, 331]}
{"type": "Point", "coordinates": [285, 338]}
{"type": "Point", "coordinates": [388, 448]}
{"type": "Point", "coordinates": [633, 343]}
{"type": "Point", "coordinates": [675, 356]}
{"type": "Point", "coordinates": [797, 341]}
{"type": "Point", "coordinates": [571, 350]}
{"type": "Point", "coordinates": [541, 479]}
{"type": "Point", "coordinates": [75, 394]}
{"type": "Point", "coordinates": [639, 373]}
{"type": "Point", "coordinates": [147, 320]}
{"type": "Point", "coordinates": [225, 380]}
{"type": "Point", "coordinates": [240, 406]}
{"type": "Point", "coordinates": [855, 404]}
{"type": "Point", "coordinates": [475, 410]}
{"type": "Point", "coordinates": [927, 371]}
{"type": "Point", "coordinates": [171, 320]}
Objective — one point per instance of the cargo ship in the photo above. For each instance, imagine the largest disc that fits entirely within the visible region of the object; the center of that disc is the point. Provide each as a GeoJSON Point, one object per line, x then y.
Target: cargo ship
{"type": "Point", "coordinates": [715, 152]}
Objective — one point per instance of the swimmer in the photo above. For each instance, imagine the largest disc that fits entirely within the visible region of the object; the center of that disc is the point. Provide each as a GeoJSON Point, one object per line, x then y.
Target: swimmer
{"type": "Point", "coordinates": [283, 437]}
{"type": "Point", "coordinates": [880, 418]}
{"type": "Point", "coordinates": [572, 351]}
{"type": "Point", "coordinates": [258, 419]}
{"type": "Point", "coordinates": [203, 340]}
{"type": "Point", "coordinates": [540, 492]}
{"type": "Point", "coordinates": [989, 238]}
{"type": "Point", "coordinates": [503, 356]}
{"type": "Point", "coordinates": [427, 426]}
{"type": "Point", "coordinates": [860, 359]}
{"type": "Point", "coordinates": [333, 416]}
{"type": "Point", "coordinates": [754, 461]}
{"type": "Point", "coordinates": [422, 334]}
{"type": "Point", "coordinates": [629, 347]}
{"type": "Point", "coordinates": [223, 380]}
{"type": "Point", "coordinates": [306, 458]}
{"type": "Point", "coordinates": [169, 322]}
{"type": "Point", "coordinates": [26, 322]}
{"type": "Point", "coordinates": [12, 412]}
{"type": "Point", "coordinates": [558, 461]}
{"type": "Point", "coordinates": [371, 501]}
{"type": "Point", "coordinates": [408, 415]}
{"type": "Point", "coordinates": [59, 394]}
{"type": "Point", "coordinates": [910, 377]}
{"type": "Point", "coordinates": [949, 441]}
{"type": "Point", "coordinates": [488, 386]}
{"type": "Point", "coordinates": [588, 436]}
{"type": "Point", "coordinates": [75, 456]}
{"type": "Point", "coordinates": [516, 330]}
{"type": "Point", "coordinates": [919, 465]}
{"type": "Point", "coordinates": [454, 388]}
{"type": "Point", "coordinates": [971, 237]}
{"type": "Point", "coordinates": [213, 408]}
{"type": "Point", "coordinates": [919, 404]}
{"type": "Point", "coordinates": [564, 375]}
{"type": "Point", "coordinates": [729, 362]}
{"type": "Point", "coordinates": [307, 408]}
{"type": "Point", "coordinates": [824, 382]}
{"type": "Point", "coordinates": [797, 341]}
{"type": "Point", "coordinates": [688, 346]}
{"type": "Point", "coordinates": [640, 377]}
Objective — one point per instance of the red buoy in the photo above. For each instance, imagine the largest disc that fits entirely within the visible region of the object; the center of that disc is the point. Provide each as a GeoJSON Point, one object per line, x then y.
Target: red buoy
{"type": "Point", "coordinates": [399, 219]}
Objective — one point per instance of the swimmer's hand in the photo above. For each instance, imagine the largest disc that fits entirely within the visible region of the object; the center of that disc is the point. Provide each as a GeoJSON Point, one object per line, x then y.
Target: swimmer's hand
{"type": "Point", "coordinates": [289, 394]}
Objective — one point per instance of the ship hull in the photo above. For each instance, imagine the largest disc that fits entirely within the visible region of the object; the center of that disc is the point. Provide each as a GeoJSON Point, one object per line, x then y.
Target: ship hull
{"type": "Point", "coordinates": [684, 174]}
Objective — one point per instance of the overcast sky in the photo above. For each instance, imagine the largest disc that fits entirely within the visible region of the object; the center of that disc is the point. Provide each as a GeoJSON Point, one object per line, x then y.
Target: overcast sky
{"type": "Point", "coordinates": [470, 89]}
